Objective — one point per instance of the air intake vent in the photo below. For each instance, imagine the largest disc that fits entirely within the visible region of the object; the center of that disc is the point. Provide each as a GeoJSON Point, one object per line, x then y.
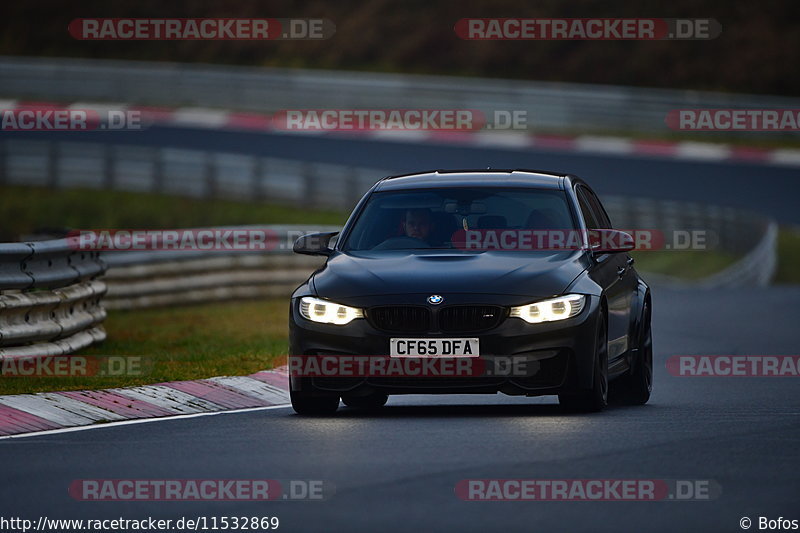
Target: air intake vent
{"type": "Point", "coordinates": [469, 318]}
{"type": "Point", "coordinates": [401, 318]}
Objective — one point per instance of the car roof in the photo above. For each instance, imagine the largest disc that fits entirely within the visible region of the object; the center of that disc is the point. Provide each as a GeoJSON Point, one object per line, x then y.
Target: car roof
{"type": "Point", "coordinates": [473, 178]}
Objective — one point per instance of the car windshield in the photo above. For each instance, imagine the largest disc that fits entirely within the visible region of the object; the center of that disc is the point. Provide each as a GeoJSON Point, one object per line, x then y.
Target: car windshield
{"type": "Point", "coordinates": [438, 218]}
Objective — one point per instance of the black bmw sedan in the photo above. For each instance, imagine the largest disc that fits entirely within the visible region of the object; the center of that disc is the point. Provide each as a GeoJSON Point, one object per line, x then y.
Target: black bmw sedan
{"type": "Point", "coordinates": [484, 281]}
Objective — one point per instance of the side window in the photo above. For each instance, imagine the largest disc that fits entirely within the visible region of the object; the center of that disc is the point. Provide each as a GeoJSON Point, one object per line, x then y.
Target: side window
{"type": "Point", "coordinates": [586, 209]}
{"type": "Point", "coordinates": [600, 212]}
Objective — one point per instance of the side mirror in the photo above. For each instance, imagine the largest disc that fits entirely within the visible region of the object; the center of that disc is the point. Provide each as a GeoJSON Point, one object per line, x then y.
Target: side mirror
{"type": "Point", "coordinates": [609, 241]}
{"type": "Point", "coordinates": [314, 243]}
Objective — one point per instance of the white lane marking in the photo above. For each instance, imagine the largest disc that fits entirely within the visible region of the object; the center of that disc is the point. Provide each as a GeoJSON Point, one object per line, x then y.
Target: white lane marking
{"type": "Point", "coordinates": [139, 421]}
{"type": "Point", "coordinates": [401, 135]}
{"type": "Point", "coordinates": [784, 156]}
{"type": "Point", "coordinates": [171, 399]}
{"type": "Point", "coordinates": [201, 117]}
{"type": "Point", "coordinates": [502, 140]}
{"type": "Point", "coordinates": [42, 407]}
{"type": "Point", "coordinates": [616, 145]}
{"type": "Point", "coordinates": [253, 387]}
{"type": "Point", "coordinates": [101, 109]}
{"type": "Point", "coordinates": [706, 151]}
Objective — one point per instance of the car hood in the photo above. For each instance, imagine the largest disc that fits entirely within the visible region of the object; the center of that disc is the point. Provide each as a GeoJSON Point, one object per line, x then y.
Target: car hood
{"type": "Point", "coordinates": [534, 274]}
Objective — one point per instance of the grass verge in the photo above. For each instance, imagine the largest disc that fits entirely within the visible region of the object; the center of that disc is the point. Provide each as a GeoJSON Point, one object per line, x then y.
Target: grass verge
{"type": "Point", "coordinates": [217, 339]}
{"type": "Point", "coordinates": [25, 209]}
{"type": "Point", "coordinates": [688, 265]}
{"type": "Point", "coordinates": [788, 268]}
{"type": "Point", "coordinates": [695, 264]}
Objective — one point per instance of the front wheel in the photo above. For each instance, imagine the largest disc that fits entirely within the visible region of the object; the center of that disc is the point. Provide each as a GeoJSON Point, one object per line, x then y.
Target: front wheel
{"type": "Point", "coordinates": [596, 398]}
{"type": "Point", "coordinates": [308, 405]}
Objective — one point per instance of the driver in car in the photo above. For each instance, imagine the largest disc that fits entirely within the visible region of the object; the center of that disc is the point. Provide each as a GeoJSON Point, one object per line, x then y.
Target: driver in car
{"type": "Point", "coordinates": [417, 224]}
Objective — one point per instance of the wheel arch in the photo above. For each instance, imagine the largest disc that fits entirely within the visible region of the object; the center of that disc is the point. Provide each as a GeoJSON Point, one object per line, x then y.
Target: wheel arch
{"type": "Point", "coordinates": [637, 312]}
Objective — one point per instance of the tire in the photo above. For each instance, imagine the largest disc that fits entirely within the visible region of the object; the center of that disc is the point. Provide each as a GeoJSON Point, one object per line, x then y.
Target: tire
{"type": "Point", "coordinates": [307, 405]}
{"type": "Point", "coordinates": [635, 388]}
{"type": "Point", "coordinates": [371, 402]}
{"type": "Point", "coordinates": [596, 398]}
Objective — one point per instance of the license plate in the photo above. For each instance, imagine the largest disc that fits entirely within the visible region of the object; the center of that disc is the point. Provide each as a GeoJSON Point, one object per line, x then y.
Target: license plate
{"type": "Point", "coordinates": [434, 348]}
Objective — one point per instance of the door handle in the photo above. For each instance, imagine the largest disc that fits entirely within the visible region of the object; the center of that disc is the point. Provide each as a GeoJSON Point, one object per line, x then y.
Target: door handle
{"type": "Point", "coordinates": [621, 271]}
{"type": "Point", "coordinates": [630, 261]}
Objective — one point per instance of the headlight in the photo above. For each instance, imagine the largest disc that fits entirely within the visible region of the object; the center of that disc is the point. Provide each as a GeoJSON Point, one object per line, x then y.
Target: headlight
{"type": "Point", "coordinates": [550, 310]}
{"type": "Point", "coordinates": [326, 312]}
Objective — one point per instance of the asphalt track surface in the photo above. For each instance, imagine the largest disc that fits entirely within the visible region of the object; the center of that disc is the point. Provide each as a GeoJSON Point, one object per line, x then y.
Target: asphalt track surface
{"type": "Point", "coordinates": [396, 471]}
{"type": "Point", "coordinates": [770, 190]}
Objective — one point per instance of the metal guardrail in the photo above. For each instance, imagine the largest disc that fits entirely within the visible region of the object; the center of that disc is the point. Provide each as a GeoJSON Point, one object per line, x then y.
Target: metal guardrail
{"type": "Point", "coordinates": [744, 234]}
{"type": "Point", "coordinates": [139, 279]}
{"type": "Point", "coordinates": [46, 265]}
{"type": "Point", "coordinates": [549, 106]}
{"type": "Point", "coordinates": [50, 301]}
{"type": "Point", "coordinates": [731, 230]}
{"type": "Point", "coordinates": [52, 322]}
{"type": "Point", "coordinates": [756, 268]}
{"type": "Point", "coordinates": [182, 172]}
{"type": "Point", "coordinates": [198, 280]}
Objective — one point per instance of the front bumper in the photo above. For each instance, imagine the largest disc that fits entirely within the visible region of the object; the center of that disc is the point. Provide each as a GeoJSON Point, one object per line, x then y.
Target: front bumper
{"type": "Point", "coordinates": [560, 355]}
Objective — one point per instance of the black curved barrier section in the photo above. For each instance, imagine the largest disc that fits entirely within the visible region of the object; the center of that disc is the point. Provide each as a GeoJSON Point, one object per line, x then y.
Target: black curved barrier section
{"type": "Point", "coordinates": [50, 299]}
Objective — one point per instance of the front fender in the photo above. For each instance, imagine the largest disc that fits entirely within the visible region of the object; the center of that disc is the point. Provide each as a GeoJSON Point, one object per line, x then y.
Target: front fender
{"type": "Point", "coordinates": [583, 284]}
